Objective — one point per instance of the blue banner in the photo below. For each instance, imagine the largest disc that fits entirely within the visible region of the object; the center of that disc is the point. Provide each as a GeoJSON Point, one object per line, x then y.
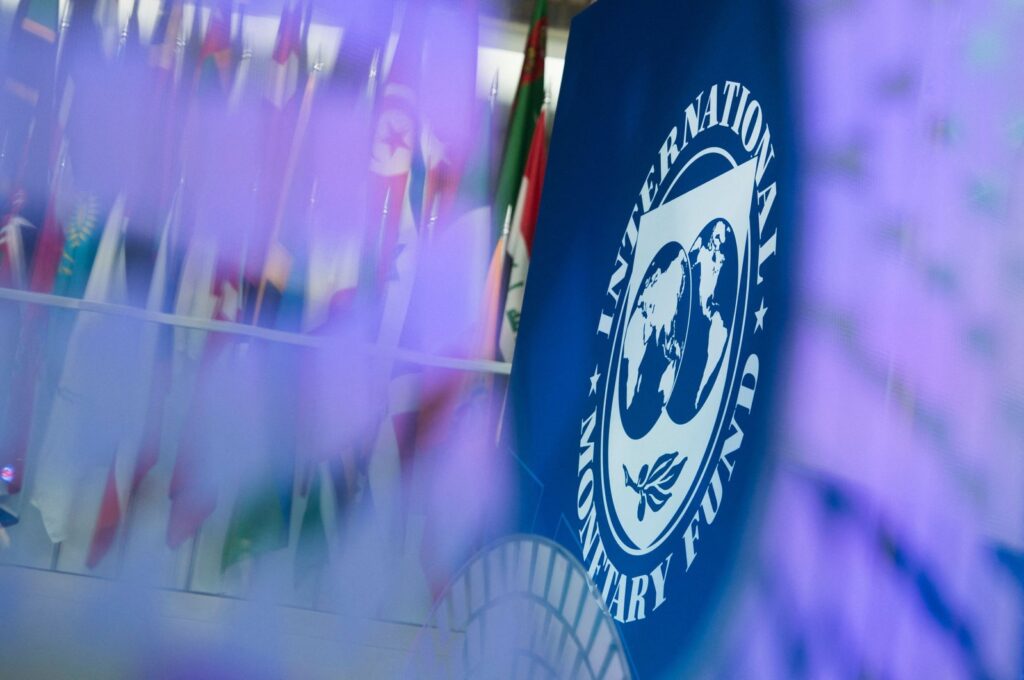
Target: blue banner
{"type": "Point", "coordinates": [649, 341]}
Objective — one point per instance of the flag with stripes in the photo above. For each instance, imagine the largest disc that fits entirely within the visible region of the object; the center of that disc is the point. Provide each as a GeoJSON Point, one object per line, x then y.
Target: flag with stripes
{"type": "Point", "coordinates": [84, 419]}
{"type": "Point", "coordinates": [520, 243]}
{"type": "Point", "coordinates": [525, 108]}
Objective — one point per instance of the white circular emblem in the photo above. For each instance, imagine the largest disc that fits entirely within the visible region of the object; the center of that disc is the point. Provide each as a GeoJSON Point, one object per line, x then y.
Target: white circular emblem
{"type": "Point", "coordinates": [677, 370]}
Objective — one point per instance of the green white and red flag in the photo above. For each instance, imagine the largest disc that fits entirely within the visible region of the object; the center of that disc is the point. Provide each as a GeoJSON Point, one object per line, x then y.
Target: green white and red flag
{"type": "Point", "coordinates": [527, 106]}
{"type": "Point", "coordinates": [520, 244]}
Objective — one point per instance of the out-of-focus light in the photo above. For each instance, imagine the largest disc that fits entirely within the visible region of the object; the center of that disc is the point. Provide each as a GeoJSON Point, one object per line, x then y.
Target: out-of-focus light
{"type": "Point", "coordinates": [7, 474]}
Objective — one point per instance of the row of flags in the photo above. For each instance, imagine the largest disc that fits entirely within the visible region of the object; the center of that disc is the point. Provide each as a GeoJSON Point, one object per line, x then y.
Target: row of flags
{"type": "Point", "coordinates": [185, 176]}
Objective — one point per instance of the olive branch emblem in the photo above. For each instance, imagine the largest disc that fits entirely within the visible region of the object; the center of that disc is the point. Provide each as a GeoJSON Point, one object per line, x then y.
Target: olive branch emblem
{"type": "Point", "coordinates": [654, 484]}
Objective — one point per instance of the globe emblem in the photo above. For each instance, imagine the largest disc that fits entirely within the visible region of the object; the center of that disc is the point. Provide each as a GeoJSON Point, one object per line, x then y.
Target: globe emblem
{"type": "Point", "coordinates": [678, 329]}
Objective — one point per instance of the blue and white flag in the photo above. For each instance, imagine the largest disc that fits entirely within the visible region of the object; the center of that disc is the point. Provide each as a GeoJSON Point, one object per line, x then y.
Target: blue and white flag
{"type": "Point", "coordinates": [642, 389]}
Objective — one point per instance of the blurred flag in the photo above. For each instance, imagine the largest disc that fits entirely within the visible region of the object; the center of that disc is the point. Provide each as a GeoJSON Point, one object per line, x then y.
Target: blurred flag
{"type": "Point", "coordinates": [463, 245]}
{"type": "Point", "coordinates": [216, 54]}
{"type": "Point", "coordinates": [143, 236]}
{"type": "Point", "coordinates": [42, 168]}
{"type": "Point", "coordinates": [525, 109]}
{"type": "Point", "coordinates": [520, 244]}
{"type": "Point", "coordinates": [49, 248]}
{"type": "Point", "coordinates": [455, 419]}
{"type": "Point", "coordinates": [26, 121]}
{"type": "Point", "coordinates": [31, 56]}
{"type": "Point", "coordinates": [329, 415]}
{"type": "Point", "coordinates": [81, 241]}
{"type": "Point", "coordinates": [160, 173]}
{"type": "Point", "coordinates": [153, 258]}
{"type": "Point", "coordinates": [88, 83]}
{"type": "Point", "coordinates": [453, 140]}
{"type": "Point", "coordinates": [261, 516]}
{"type": "Point", "coordinates": [26, 100]}
{"type": "Point", "coordinates": [289, 68]}
{"type": "Point", "coordinates": [80, 429]}
{"type": "Point", "coordinates": [396, 175]}
{"type": "Point", "coordinates": [290, 95]}
{"type": "Point", "coordinates": [395, 205]}
{"type": "Point", "coordinates": [448, 102]}
{"type": "Point", "coordinates": [210, 280]}
{"type": "Point", "coordinates": [393, 245]}
{"type": "Point", "coordinates": [28, 358]}
{"type": "Point", "coordinates": [458, 419]}
{"type": "Point", "coordinates": [163, 42]}
{"type": "Point", "coordinates": [193, 490]}
{"type": "Point", "coordinates": [134, 455]}
{"type": "Point", "coordinates": [342, 124]}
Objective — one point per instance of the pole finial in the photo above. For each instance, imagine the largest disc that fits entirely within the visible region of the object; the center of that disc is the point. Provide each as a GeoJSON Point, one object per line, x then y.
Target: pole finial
{"type": "Point", "coordinates": [508, 223]}
{"type": "Point", "coordinates": [493, 95]}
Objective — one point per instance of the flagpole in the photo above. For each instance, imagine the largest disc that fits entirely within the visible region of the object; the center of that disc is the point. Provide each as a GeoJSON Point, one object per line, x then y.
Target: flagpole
{"type": "Point", "coordinates": [504, 397]}
{"type": "Point", "coordinates": [545, 109]}
{"type": "Point", "coordinates": [432, 221]}
{"type": "Point", "coordinates": [371, 83]}
{"type": "Point", "coordinates": [379, 240]}
{"type": "Point", "coordinates": [506, 231]}
{"type": "Point", "coordinates": [492, 101]}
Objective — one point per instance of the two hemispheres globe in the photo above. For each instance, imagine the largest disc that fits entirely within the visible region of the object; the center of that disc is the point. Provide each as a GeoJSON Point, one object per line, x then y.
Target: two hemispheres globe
{"type": "Point", "coordinates": [678, 329]}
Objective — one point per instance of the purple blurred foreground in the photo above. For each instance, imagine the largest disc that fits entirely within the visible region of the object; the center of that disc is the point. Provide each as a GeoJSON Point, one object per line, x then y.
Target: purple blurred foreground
{"type": "Point", "coordinates": [892, 538]}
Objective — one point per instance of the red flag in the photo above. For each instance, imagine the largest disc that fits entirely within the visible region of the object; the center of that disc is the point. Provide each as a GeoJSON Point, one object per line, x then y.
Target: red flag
{"type": "Point", "coordinates": [107, 523]}
{"type": "Point", "coordinates": [49, 248]}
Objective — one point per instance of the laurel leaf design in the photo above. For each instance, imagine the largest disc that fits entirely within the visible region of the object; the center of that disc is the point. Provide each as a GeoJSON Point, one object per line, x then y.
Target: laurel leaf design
{"type": "Point", "coordinates": [654, 483]}
{"type": "Point", "coordinates": [663, 463]}
{"type": "Point", "coordinates": [630, 484]}
{"type": "Point", "coordinates": [656, 498]}
{"type": "Point", "coordinates": [669, 477]}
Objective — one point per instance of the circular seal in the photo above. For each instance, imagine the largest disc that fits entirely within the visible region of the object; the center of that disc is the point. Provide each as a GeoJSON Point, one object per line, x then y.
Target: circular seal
{"type": "Point", "coordinates": [677, 366]}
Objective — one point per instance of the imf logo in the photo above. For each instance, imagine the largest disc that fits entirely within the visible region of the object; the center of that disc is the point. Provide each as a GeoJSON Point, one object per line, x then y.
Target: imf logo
{"type": "Point", "coordinates": [675, 382]}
